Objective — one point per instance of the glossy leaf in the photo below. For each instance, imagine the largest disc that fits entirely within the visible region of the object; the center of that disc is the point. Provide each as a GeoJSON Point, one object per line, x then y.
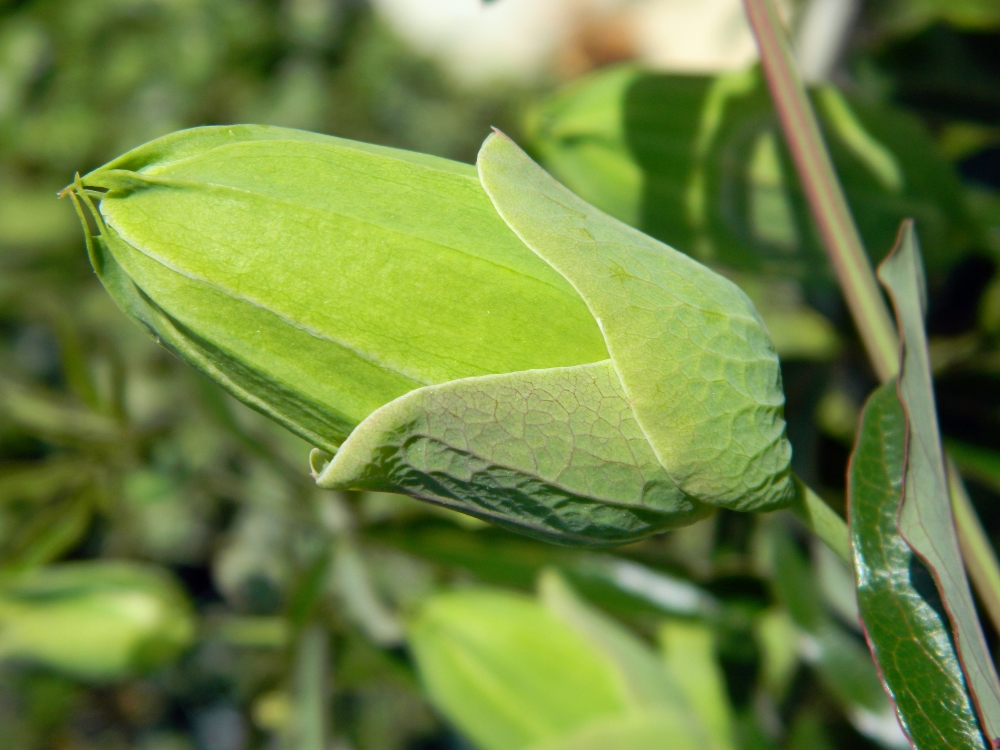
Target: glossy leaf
{"type": "Point", "coordinates": [925, 516]}
{"type": "Point", "coordinates": [906, 627]}
{"type": "Point", "coordinates": [643, 677]}
{"type": "Point", "coordinates": [692, 354]}
{"type": "Point", "coordinates": [554, 453]}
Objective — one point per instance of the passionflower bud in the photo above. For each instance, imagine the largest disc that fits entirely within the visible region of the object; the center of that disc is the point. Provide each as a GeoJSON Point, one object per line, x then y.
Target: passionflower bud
{"type": "Point", "coordinates": [484, 339]}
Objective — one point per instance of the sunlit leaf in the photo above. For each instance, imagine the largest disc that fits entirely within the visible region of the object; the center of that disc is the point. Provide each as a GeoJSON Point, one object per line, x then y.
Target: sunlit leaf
{"type": "Point", "coordinates": [925, 516]}
{"type": "Point", "coordinates": [902, 612]}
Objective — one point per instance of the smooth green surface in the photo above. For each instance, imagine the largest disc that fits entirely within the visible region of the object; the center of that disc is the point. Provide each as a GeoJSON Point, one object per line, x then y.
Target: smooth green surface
{"type": "Point", "coordinates": [643, 676]}
{"type": "Point", "coordinates": [646, 731]}
{"type": "Point", "coordinates": [95, 620]}
{"type": "Point", "coordinates": [554, 453]}
{"type": "Point", "coordinates": [507, 672]}
{"type": "Point", "coordinates": [900, 607]}
{"type": "Point", "coordinates": [693, 356]}
{"type": "Point", "coordinates": [925, 517]}
{"type": "Point", "coordinates": [689, 651]}
{"type": "Point", "coordinates": [345, 272]}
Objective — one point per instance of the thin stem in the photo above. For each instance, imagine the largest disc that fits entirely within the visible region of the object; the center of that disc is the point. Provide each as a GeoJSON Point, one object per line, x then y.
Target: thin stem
{"type": "Point", "coordinates": [822, 520]}
{"type": "Point", "coordinates": [826, 198]}
{"type": "Point", "coordinates": [980, 557]}
{"type": "Point", "coordinates": [852, 266]}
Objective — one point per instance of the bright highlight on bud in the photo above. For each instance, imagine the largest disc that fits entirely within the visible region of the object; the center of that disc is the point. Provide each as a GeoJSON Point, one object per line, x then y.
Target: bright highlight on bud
{"type": "Point", "coordinates": [486, 341]}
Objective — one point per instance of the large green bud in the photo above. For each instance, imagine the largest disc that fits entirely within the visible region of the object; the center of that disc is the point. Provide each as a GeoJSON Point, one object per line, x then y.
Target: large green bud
{"type": "Point", "coordinates": [480, 339]}
{"type": "Point", "coordinates": [95, 620]}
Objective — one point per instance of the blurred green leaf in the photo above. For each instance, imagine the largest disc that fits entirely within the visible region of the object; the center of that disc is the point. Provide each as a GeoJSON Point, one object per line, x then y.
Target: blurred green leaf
{"type": "Point", "coordinates": [977, 463]}
{"type": "Point", "coordinates": [509, 673]}
{"type": "Point", "coordinates": [718, 184]}
{"type": "Point", "coordinates": [50, 415]}
{"type": "Point", "coordinates": [95, 620]}
{"type": "Point", "coordinates": [650, 731]}
{"type": "Point", "coordinates": [689, 649]}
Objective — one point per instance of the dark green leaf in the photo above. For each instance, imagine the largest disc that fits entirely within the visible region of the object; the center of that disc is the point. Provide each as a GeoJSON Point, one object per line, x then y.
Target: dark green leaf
{"type": "Point", "coordinates": [925, 517]}
{"type": "Point", "coordinates": [903, 616]}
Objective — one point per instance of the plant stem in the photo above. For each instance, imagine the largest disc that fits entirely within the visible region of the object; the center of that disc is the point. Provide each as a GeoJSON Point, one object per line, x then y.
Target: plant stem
{"type": "Point", "coordinates": [852, 266]}
{"type": "Point", "coordinates": [822, 520]}
{"type": "Point", "coordinates": [980, 558]}
{"type": "Point", "coordinates": [826, 198]}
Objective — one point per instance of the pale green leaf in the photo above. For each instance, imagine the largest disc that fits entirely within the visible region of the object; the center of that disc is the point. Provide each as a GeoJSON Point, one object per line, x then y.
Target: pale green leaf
{"type": "Point", "coordinates": [643, 675]}
{"type": "Point", "coordinates": [507, 672]}
{"type": "Point", "coordinates": [646, 731]}
{"type": "Point", "coordinates": [693, 356]}
{"type": "Point", "coordinates": [689, 649]}
{"type": "Point", "coordinates": [98, 620]}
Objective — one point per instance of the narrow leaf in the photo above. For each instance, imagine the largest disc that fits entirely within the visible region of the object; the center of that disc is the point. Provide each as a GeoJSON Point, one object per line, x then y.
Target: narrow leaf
{"type": "Point", "coordinates": [902, 613]}
{"type": "Point", "coordinates": [925, 518]}
{"type": "Point", "coordinates": [553, 453]}
{"type": "Point", "coordinates": [693, 356]}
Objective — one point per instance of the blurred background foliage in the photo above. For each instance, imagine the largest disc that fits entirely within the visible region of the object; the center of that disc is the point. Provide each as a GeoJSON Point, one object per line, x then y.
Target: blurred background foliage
{"type": "Point", "coordinates": [170, 579]}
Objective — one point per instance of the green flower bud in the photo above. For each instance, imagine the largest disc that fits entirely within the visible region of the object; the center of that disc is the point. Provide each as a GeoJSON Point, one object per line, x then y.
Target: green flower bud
{"type": "Point", "coordinates": [94, 620]}
{"type": "Point", "coordinates": [486, 341]}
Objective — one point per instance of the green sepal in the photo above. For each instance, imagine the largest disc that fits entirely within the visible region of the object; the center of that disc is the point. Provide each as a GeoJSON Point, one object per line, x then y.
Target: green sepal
{"type": "Point", "coordinates": [556, 454]}
{"type": "Point", "coordinates": [694, 358]}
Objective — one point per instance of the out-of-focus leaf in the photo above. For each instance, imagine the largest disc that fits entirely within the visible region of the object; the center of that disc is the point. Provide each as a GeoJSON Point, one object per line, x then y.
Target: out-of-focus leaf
{"type": "Point", "coordinates": [646, 683]}
{"type": "Point", "coordinates": [509, 673]}
{"type": "Point", "coordinates": [718, 184]}
{"type": "Point", "coordinates": [777, 638]}
{"type": "Point", "coordinates": [689, 649]}
{"type": "Point", "coordinates": [925, 516]}
{"type": "Point", "coordinates": [902, 612]}
{"type": "Point", "coordinates": [96, 620]}
{"type": "Point", "coordinates": [662, 313]}
{"type": "Point", "coordinates": [51, 532]}
{"type": "Point", "coordinates": [307, 726]}
{"type": "Point", "coordinates": [644, 731]}
{"type": "Point", "coordinates": [977, 463]}
{"type": "Point", "coordinates": [54, 417]}
{"type": "Point", "coordinates": [579, 135]}
{"type": "Point", "coordinates": [901, 17]}
{"type": "Point", "coordinates": [552, 453]}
